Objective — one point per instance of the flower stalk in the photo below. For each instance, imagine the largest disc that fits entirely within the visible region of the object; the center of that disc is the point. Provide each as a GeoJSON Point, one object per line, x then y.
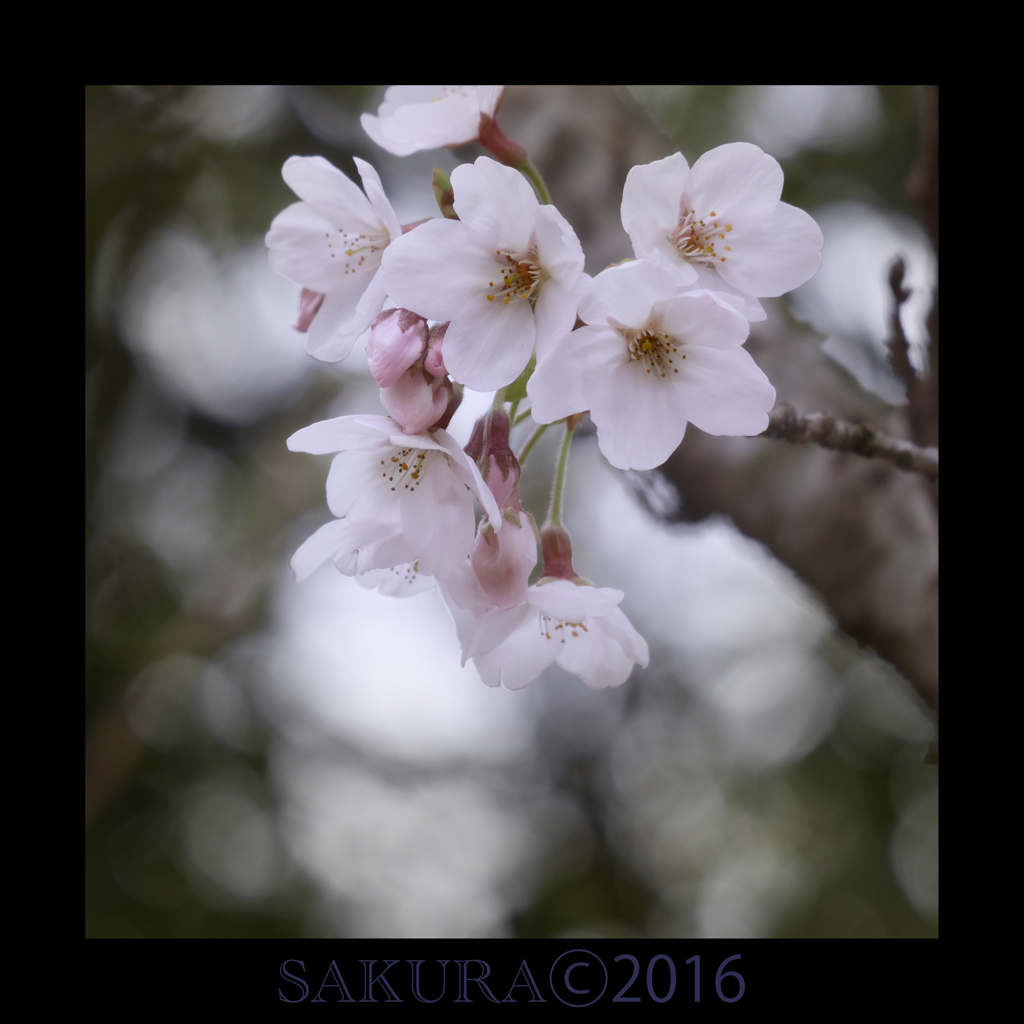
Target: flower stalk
{"type": "Point", "coordinates": [555, 508]}
{"type": "Point", "coordinates": [532, 441]}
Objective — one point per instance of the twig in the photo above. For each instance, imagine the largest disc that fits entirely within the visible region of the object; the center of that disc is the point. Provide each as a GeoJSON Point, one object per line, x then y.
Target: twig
{"type": "Point", "coordinates": [922, 394]}
{"type": "Point", "coordinates": [789, 424]}
{"type": "Point", "coordinates": [898, 344]}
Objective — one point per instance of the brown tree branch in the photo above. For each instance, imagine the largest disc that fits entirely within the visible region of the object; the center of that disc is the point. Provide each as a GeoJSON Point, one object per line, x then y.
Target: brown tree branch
{"type": "Point", "coordinates": [789, 424]}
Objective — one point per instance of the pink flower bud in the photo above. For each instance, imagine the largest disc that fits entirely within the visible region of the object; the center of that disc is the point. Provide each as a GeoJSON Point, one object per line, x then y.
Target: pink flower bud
{"type": "Point", "coordinates": [416, 400]}
{"type": "Point", "coordinates": [454, 401]}
{"type": "Point", "coordinates": [489, 448]}
{"type": "Point", "coordinates": [309, 303]}
{"type": "Point", "coordinates": [503, 561]}
{"type": "Point", "coordinates": [397, 339]}
{"type": "Point", "coordinates": [434, 363]}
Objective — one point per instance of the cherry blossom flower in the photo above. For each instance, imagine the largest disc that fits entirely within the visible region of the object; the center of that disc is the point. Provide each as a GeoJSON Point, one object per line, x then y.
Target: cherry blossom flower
{"type": "Point", "coordinates": [331, 243]}
{"type": "Point", "coordinates": [417, 117]}
{"type": "Point", "coordinates": [721, 219]}
{"type": "Point", "coordinates": [507, 275]}
{"type": "Point", "coordinates": [650, 360]}
{"type": "Point", "coordinates": [401, 498]}
{"type": "Point", "coordinates": [563, 618]}
{"type": "Point", "coordinates": [579, 627]}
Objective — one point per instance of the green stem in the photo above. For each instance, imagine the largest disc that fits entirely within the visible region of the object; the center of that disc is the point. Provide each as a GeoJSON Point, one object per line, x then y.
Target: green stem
{"type": "Point", "coordinates": [555, 509]}
{"type": "Point", "coordinates": [512, 412]}
{"type": "Point", "coordinates": [537, 181]}
{"type": "Point", "coordinates": [525, 415]}
{"type": "Point", "coordinates": [533, 439]}
{"type": "Point", "coordinates": [499, 398]}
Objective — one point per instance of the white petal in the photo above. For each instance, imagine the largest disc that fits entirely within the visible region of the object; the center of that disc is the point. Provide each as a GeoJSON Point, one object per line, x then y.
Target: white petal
{"type": "Point", "coordinates": [336, 327]}
{"type": "Point", "coordinates": [376, 128]}
{"type": "Point", "coordinates": [738, 181]}
{"type": "Point", "coordinates": [358, 487]}
{"type": "Point", "coordinates": [330, 193]}
{"type": "Point", "coordinates": [596, 656]}
{"type": "Point", "coordinates": [711, 280]}
{"type": "Point", "coordinates": [496, 201]}
{"type": "Point", "coordinates": [654, 190]}
{"type": "Point", "coordinates": [521, 658]}
{"type": "Point", "coordinates": [465, 601]}
{"type": "Point", "coordinates": [437, 517]}
{"type": "Point", "coordinates": [451, 121]}
{"type": "Point", "coordinates": [558, 249]}
{"type": "Point", "coordinates": [437, 268]}
{"type": "Point", "coordinates": [640, 419]}
{"type": "Point", "coordinates": [701, 318]}
{"type": "Point", "coordinates": [489, 98]}
{"type": "Point", "coordinates": [776, 257]}
{"type": "Point", "coordinates": [364, 433]}
{"type": "Point", "coordinates": [378, 201]}
{"type": "Point", "coordinates": [554, 316]}
{"type": "Point", "coordinates": [569, 376]}
{"type": "Point", "coordinates": [563, 600]}
{"type": "Point", "coordinates": [723, 391]}
{"type": "Point", "coordinates": [489, 343]}
{"type": "Point", "coordinates": [318, 548]}
{"type": "Point", "coordinates": [625, 294]}
{"type": "Point", "coordinates": [634, 646]}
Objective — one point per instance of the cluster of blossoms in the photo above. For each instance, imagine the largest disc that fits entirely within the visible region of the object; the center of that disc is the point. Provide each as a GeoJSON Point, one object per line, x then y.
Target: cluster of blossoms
{"type": "Point", "coordinates": [487, 297]}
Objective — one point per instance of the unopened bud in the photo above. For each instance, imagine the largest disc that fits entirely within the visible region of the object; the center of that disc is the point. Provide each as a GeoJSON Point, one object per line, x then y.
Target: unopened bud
{"type": "Point", "coordinates": [416, 400]}
{"type": "Point", "coordinates": [398, 338]}
{"type": "Point", "coordinates": [434, 362]}
{"type": "Point", "coordinates": [492, 453]}
{"type": "Point", "coordinates": [454, 401]}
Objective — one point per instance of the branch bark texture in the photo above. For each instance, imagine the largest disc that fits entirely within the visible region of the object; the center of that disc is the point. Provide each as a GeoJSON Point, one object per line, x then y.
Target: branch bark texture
{"type": "Point", "coordinates": [789, 424]}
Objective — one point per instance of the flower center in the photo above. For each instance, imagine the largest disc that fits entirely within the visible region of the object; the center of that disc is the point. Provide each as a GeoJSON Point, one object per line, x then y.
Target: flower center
{"type": "Point", "coordinates": [403, 469]}
{"type": "Point", "coordinates": [521, 277]}
{"type": "Point", "coordinates": [555, 629]}
{"type": "Point", "coordinates": [656, 350]}
{"type": "Point", "coordinates": [408, 573]}
{"type": "Point", "coordinates": [701, 239]}
{"type": "Point", "coordinates": [358, 251]}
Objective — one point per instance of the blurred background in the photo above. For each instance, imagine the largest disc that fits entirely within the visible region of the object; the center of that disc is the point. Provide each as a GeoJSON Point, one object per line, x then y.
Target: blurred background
{"type": "Point", "coordinates": [271, 759]}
